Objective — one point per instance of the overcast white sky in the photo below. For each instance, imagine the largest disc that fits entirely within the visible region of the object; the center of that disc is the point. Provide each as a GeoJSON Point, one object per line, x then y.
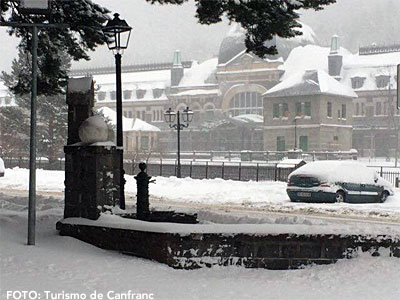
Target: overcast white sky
{"type": "Point", "coordinates": [159, 30]}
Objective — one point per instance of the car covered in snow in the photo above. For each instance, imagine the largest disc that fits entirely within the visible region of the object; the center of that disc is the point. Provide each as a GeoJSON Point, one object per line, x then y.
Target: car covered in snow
{"type": "Point", "coordinates": [2, 168]}
{"type": "Point", "coordinates": [337, 181]}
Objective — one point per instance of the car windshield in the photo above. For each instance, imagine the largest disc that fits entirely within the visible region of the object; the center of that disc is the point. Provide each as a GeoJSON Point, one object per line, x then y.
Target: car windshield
{"type": "Point", "coordinates": [304, 181]}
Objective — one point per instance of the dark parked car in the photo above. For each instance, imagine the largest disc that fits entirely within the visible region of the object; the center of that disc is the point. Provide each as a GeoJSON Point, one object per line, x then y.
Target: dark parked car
{"type": "Point", "coordinates": [337, 181]}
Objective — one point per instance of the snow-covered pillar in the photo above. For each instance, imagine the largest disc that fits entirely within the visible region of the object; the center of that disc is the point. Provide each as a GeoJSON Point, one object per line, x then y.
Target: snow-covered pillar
{"type": "Point", "coordinates": [92, 162]}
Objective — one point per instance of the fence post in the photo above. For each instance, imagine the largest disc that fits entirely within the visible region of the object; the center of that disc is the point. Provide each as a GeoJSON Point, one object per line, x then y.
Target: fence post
{"type": "Point", "coordinates": [190, 170]}
{"type": "Point", "coordinates": [381, 171]}
{"type": "Point", "coordinates": [240, 171]}
{"type": "Point", "coordinates": [211, 155]}
{"type": "Point", "coordinates": [206, 169]}
{"type": "Point", "coordinates": [175, 168]}
{"type": "Point", "coordinates": [229, 155]}
{"type": "Point", "coordinates": [223, 170]}
{"type": "Point", "coordinates": [276, 172]}
{"type": "Point", "coordinates": [257, 173]}
{"type": "Point", "coordinates": [194, 155]}
{"type": "Point", "coordinates": [160, 167]}
{"type": "Point", "coordinates": [397, 182]}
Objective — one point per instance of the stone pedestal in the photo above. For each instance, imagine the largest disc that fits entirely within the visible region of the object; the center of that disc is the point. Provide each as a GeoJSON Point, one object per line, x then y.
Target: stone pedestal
{"type": "Point", "coordinates": [91, 180]}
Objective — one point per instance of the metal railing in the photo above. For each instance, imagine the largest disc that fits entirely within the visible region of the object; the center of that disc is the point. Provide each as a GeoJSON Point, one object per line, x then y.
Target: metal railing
{"type": "Point", "coordinates": [210, 170]}
{"type": "Point", "coordinates": [245, 155]}
{"type": "Point", "coordinates": [242, 171]}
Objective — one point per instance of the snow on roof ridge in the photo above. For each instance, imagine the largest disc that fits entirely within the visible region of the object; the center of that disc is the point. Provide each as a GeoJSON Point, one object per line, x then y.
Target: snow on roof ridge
{"type": "Point", "coordinates": [325, 84]}
{"type": "Point", "coordinates": [198, 74]}
{"type": "Point", "coordinates": [129, 124]}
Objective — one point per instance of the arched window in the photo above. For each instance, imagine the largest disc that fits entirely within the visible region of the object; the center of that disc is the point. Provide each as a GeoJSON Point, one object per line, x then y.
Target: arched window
{"type": "Point", "coordinates": [246, 103]}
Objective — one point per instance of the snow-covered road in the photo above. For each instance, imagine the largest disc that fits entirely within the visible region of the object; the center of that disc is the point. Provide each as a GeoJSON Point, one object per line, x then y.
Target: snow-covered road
{"type": "Point", "coordinates": [252, 196]}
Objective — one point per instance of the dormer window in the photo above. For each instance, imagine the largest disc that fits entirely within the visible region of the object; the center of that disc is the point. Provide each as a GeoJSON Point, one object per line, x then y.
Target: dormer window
{"type": "Point", "coordinates": [127, 94]}
{"type": "Point", "coordinates": [157, 93]}
{"type": "Point", "coordinates": [140, 93]}
{"type": "Point", "coordinates": [357, 82]}
{"type": "Point", "coordinates": [382, 81]}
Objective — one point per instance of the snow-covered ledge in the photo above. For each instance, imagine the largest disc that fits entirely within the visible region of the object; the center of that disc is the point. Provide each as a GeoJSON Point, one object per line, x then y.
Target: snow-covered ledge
{"type": "Point", "coordinates": [272, 246]}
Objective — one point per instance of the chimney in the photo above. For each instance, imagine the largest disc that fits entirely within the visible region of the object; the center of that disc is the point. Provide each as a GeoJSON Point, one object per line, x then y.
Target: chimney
{"type": "Point", "coordinates": [335, 60]}
{"type": "Point", "coordinates": [177, 69]}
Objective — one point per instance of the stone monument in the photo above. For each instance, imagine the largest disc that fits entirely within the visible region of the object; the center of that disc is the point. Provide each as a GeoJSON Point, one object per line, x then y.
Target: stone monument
{"type": "Point", "coordinates": [92, 162]}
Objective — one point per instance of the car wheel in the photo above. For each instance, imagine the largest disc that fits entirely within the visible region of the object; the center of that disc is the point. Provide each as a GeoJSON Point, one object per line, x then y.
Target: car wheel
{"type": "Point", "coordinates": [384, 196]}
{"type": "Point", "coordinates": [340, 196]}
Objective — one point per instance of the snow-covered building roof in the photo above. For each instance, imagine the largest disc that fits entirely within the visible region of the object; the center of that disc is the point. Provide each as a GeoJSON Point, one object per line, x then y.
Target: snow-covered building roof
{"type": "Point", "coordinates": [309, 57]}
{"type": "Point", "coordinates": [128, 124]}
{"type": "Point", "coordinates": [369, 67]}
{"type": "Point", "coordinates": [141, 86]}
{"type": "Point", "coordinates": [365, 67]}
{"type": "Point", "coordinates": [310, 82]}
{"type": "Point", "coordinates": [200, 74]}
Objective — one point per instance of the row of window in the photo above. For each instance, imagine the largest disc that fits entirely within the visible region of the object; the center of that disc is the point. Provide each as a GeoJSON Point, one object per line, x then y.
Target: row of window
{"type": "Point", "coordinates": [127, 94]}
{"type": "Point", "coordinates": [380, 109]}
{"type": "Point", "coordinates": [382, 81]}
{"type": "Point", "coordinates": [341, 114]}
{"type": "Point", "coordinates": [282, 109]}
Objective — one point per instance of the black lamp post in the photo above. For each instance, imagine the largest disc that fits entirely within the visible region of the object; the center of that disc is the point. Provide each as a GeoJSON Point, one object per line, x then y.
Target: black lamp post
{"type": "Point", "coordinates": [187, 117]}
{"type": "Point", "coordinates": [38, 7]}
{"type": "Point", "coordinates": [117, 33]}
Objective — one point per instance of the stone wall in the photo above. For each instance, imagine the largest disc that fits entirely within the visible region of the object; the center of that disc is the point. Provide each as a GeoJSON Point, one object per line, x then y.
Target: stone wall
{"type": "Point", "coordinates": [283, 251]}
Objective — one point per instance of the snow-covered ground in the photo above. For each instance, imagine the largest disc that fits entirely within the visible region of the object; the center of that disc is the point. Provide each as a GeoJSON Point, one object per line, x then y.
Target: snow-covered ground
{"type": "Point", "coordinates": [259, 196]}
{"type": "Point", "coordinates": [60, 264]}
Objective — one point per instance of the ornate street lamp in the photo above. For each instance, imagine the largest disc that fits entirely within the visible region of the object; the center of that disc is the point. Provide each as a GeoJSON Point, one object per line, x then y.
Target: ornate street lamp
{"type": "Point", "coordinates": [187, 117]}
{"type": "Point", "coordinates": [117, 33]}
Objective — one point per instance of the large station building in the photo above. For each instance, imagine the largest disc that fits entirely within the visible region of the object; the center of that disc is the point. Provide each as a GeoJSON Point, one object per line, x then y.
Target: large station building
{"type": "Point", "coordinates": [309, 97]}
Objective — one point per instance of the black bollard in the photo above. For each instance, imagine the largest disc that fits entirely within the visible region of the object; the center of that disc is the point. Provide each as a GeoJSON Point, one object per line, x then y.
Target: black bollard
{"type": "Point", "coordinates": [142, 182]}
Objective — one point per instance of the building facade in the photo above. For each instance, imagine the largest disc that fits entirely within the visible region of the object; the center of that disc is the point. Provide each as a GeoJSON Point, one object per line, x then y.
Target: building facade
{"type": "Point", "coordinates": [310, 111]}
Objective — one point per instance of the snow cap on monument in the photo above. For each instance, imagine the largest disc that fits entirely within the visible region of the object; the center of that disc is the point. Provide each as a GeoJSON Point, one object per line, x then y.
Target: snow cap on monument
{"type": "Point", "coordinates": [93, 130]}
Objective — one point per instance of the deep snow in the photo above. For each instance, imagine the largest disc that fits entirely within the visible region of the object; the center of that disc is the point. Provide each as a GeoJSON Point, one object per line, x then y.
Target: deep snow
{"type": "Point", "coordinates": [65, 264]}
